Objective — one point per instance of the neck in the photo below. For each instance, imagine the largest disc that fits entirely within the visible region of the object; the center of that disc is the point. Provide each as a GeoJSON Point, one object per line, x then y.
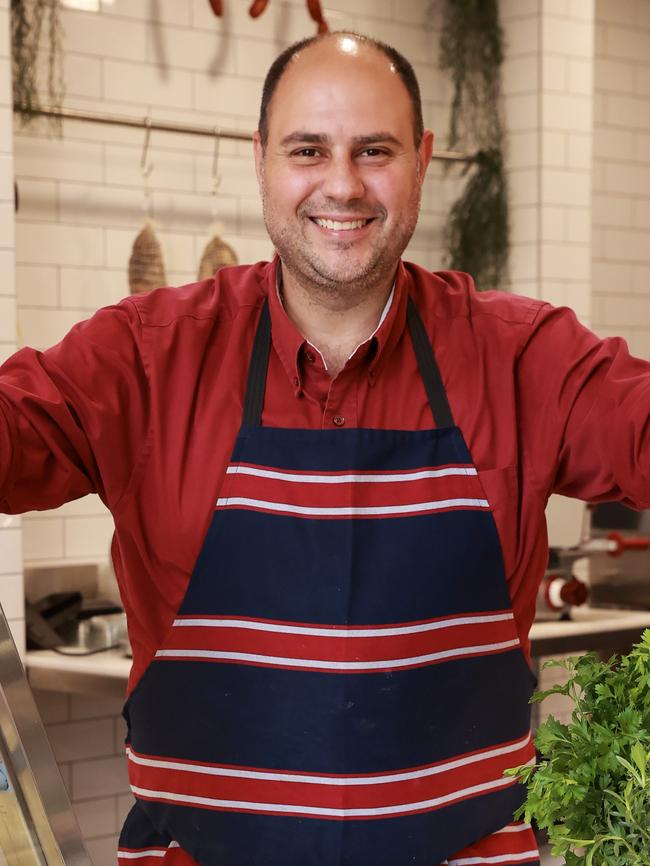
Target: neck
{"type": "Point", "coordinates": [334, 323]}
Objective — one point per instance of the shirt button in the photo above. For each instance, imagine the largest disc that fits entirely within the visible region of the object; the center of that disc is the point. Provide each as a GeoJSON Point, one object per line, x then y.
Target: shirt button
{"type": "Point", "coordinates": [339, 420]}
{"type": "Point", "coordinates": [309, 356]}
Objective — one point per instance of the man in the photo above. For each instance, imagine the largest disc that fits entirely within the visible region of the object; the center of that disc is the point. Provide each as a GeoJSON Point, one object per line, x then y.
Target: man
{"type": "Point", "coordinates": [328, 536]}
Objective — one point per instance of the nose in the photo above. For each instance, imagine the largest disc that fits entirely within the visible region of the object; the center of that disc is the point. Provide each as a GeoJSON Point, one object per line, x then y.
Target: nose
{"type": "Point", "coordinates": [342, 181]}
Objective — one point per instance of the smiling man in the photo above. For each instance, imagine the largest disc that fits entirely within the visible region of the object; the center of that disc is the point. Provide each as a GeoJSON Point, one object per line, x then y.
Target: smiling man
{"type": "Point", "coordinates": [341, 156]}
{"type": "Point", "coordinates": [328, 476]}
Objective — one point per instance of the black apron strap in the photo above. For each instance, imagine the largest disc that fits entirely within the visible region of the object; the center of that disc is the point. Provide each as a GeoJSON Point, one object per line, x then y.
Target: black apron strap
{"type": "Point", "coordinates": [256, 384]}
{"type": "Point", "coordinates": [259, 364]}
{"type": "Point", "coordinates": [428, 368]}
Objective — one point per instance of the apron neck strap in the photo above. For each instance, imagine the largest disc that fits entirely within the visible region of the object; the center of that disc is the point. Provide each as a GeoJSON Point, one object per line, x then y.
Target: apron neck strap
{"type": "Point", "coordinates": [429, 369]}
{"type": "Point", "coordinates": [256, 383]}
{"type": "Point", "coordinates": [259, 363]}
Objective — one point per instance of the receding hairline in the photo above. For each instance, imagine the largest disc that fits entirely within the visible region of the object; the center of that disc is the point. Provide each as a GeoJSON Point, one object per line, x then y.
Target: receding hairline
{"type": "Point", "coordinates": [397, 62]}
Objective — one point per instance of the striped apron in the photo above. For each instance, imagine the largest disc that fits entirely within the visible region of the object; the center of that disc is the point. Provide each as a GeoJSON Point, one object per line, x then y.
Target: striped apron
{"type": "Point", "coordinates": [343, 684]}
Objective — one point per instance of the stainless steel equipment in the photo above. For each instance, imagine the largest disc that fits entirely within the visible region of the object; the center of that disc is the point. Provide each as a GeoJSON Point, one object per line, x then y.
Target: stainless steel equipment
{"type": "Point", "coordinates": [37, 824]}
{"type": "Point", "coordinates": [622, 581]}
{"type": "Point", "coordinates": [609, 552]}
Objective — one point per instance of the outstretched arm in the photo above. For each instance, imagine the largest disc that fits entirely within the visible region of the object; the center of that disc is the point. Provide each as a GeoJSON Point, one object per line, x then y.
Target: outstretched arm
{"type": "Point", "coordinates": [73, 418]}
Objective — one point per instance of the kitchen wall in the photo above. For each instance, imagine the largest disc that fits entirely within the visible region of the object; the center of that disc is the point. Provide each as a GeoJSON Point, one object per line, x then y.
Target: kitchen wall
{"type": "Point", "coordinates": [11, 556]}
{"type": "Point", "coordinates": [621, 187]}
{"type": "Point", "coordinates": [548, 89]}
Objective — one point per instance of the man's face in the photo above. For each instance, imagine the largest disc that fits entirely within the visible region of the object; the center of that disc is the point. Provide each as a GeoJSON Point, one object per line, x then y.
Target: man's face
{"type": "Point", "coordinates": [340, 176]}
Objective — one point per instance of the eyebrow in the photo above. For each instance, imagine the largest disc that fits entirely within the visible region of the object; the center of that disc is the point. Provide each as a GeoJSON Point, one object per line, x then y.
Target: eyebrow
{"type": "Point", "coordinates": [301, 137]}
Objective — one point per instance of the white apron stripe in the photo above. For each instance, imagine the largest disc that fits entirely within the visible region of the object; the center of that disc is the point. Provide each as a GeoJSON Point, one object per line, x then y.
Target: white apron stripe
{"type": "Point", "coordinates": [330, 780]}
{"type": "Point", "coordinates": [382, 664]}
{"type": "Point", "coordinates": [378, 478]}
{"type": "Point", "coordinates": [342, 631]}
{"type": "Point", "coordinates": [350, 511]}
{"type": "Point", "coordinates": [515, 828]}
{"type": "Point", "coordinates": [240, 805]}
{"type": "Point", "coordinates": [496, 859]}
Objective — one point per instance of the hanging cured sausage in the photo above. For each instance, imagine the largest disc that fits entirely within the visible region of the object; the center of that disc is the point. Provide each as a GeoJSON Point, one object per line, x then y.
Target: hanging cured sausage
{"type": "Point", "coordinates": [146, 268]}
{"type": "Point", "coordinates": [217, 254]}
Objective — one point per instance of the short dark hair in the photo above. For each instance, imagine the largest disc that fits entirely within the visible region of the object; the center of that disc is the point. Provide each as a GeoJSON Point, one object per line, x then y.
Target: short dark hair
{"type": "Point", "coordinates": [401, 64]}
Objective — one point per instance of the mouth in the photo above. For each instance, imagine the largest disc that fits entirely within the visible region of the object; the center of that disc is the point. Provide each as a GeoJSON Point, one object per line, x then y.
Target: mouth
{"type": "Point", "coordinates": [342, 225]}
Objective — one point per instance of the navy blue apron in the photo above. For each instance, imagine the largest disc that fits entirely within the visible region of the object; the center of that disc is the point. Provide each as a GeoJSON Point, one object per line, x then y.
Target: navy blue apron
{"type": "Point", "coordinates": [343, 684]}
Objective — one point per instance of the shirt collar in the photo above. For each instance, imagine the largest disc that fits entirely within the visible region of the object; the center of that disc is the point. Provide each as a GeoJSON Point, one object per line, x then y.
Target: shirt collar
{"type": "Point", "coordinates": [289, 343]}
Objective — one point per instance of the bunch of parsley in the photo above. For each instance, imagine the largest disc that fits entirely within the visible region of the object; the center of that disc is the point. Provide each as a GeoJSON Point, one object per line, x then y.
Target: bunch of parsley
{"type": "Point", "coordinates": [591, 787]}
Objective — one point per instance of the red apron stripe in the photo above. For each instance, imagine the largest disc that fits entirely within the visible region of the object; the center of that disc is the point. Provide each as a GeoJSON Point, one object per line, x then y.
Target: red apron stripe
{"type": "Point", "coordinates": [505, 748]}
{"type": "Point", "coordinates": [323, 796]}
{"type": "Point", "coordinates": [338, 647]}
{"type": "Point", "coordinates": [500, 843]}
{"type": "Point", "coordinates": [332, 666]}
{"type": "Point", "coordinates": [356, 494]}
{"type": "Point", "coordinates": [299, 810]}
{"type": "Point", "coordinates": [341, 477]}
{"type": "Point", "coordinates": [422, 790]}
{"type": "Point", "coordinates": [143, 854]}
{"type": "Point", "coordinates": [514, 843]}
{"type": "Point", "coordinates": [499, 854]}
{"type": "Point", "coordinates": [218, 621]}
{"type": "Point", "coordinates": [370, 512]}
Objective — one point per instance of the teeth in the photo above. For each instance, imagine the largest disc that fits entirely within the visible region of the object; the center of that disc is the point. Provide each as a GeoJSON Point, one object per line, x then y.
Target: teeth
{"type": "Point", "coordinates": [341, 226]}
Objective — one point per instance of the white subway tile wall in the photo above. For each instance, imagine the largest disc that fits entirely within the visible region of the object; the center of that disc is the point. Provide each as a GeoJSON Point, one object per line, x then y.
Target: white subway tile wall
{"type": "Point", "coordinates": [11, 556]}
{"type": "Point", "coordinates": [548, 99]}
{"type": "Point", "coordinates": [621, 195]}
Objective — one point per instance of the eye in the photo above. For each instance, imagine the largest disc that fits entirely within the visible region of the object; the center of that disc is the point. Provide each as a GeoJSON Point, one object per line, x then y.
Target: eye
{"type": "Point", "coordinates": [375, 153]}
{"type": "Point", "coordinates": [306, 152]}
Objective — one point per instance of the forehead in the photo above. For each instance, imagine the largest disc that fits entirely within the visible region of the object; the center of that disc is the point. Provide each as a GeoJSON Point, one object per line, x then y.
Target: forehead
{"type": "Point", "coordinates": [325, 88]}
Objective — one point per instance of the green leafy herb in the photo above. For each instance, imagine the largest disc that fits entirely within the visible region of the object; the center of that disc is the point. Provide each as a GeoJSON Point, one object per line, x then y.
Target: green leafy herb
{"type": "Point", "coordinates": [591, 787]}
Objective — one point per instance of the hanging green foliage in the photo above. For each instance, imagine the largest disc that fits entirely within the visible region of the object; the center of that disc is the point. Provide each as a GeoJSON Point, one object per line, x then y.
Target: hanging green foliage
{"type": "Point", "coordinates": [28, 20]}
{"type": "Point", "coordinates": [471, 48]}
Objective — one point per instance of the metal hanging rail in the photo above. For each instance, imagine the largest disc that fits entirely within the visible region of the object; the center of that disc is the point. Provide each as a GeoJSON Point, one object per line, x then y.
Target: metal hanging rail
{"type": "Point", "coordinates": [171, 126]}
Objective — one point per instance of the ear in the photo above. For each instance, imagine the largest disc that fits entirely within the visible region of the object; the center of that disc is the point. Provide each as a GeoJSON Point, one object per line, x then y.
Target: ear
{"type": "Point", "coordinates": [424, 153]}
{"type": "Point", "coordinates": [258, 152]}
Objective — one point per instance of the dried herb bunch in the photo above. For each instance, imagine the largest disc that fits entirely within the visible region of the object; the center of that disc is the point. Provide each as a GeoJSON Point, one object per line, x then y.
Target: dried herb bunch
{"type": "Point", "coordinates": [471, 48]}
{"type": "Point", "coordinates": [591, 787]}
{"type": "Point", "coordinates": [28, 19]}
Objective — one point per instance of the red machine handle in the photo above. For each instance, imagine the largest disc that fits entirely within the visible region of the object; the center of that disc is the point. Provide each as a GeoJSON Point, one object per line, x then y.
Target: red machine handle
{"type": "Point", "coordinates": [574, 592]}
{"type": "Point", "coordinates": [623, 543]}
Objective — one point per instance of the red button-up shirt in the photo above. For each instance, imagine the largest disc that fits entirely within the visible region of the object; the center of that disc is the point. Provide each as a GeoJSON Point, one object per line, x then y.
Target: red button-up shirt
{"type": "Point", "coordinates": [142, 404]}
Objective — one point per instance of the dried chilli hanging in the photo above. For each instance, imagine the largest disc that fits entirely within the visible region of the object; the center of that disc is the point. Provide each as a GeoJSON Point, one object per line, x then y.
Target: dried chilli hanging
{"type": "Point", "coordinates": [258, 6]}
